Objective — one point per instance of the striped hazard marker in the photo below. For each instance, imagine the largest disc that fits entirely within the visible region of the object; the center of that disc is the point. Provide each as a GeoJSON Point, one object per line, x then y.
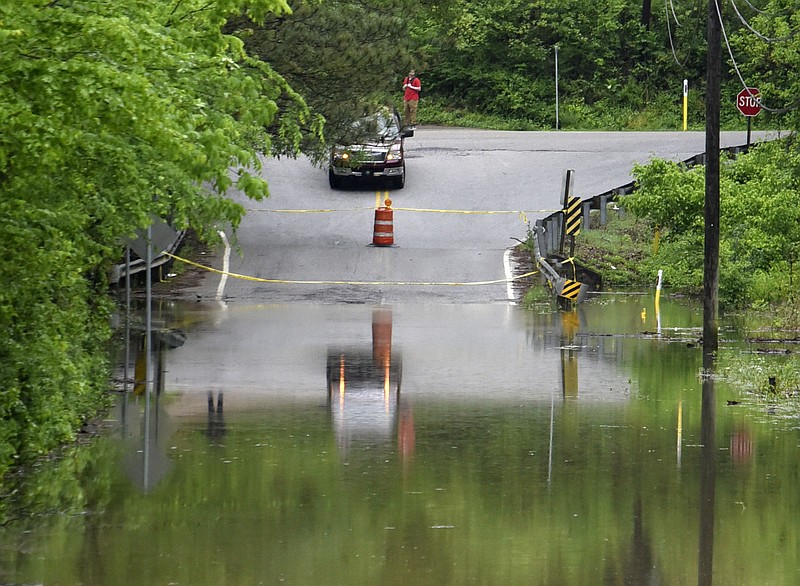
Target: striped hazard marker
{"type": "Point", "coordinates": [570, 289]}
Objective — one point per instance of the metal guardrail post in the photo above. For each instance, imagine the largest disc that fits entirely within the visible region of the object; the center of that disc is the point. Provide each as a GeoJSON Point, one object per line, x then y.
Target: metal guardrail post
{"type": "Point", "coordinates": [548, 271]}
{"type": "Point", "coordinates": [555, 233]}
{"type": "Point", "coordinates": [548, 230]}
{"type": "Point", "coordinates": [603, 212]}
{"type": "Point", "coordinates": [587, 207]}
{"type": "Point", "coordinates": [127, 269]}
{"type": "Point", "coordinates": [539, 240]}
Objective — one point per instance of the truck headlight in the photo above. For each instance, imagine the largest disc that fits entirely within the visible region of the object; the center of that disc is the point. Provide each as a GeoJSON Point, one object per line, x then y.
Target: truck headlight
{"type": "Point", "coordinates": [395, 153]}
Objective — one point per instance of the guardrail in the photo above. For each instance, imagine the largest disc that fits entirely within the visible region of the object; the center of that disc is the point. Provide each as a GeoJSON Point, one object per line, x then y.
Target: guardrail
{"type": "Point", "coordinates": [547, 231]}
{"type": "Point", "coordinates": [120, 272]}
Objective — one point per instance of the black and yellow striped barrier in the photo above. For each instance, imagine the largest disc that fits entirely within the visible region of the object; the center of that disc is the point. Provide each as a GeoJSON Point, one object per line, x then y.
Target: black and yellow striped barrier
{"type": "Point", "coordinates": [573, 215]}
{"type": "Point", "coordinates": [570, 289]}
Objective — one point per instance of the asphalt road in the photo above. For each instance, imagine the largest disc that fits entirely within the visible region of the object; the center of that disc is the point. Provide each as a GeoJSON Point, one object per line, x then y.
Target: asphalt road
{"type": "Point", "coordinates": [308, 232]}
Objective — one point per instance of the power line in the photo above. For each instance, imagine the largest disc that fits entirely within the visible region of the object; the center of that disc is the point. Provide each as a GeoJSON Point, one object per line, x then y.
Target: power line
{"type": "Point", "coordinates": [674, 16]}
{"type": "Point", "coordinates": [765, 13]}
{"type": "Point", "coordinates": [669, 8]}
{"type": "Point", "coordinates": [739, 73]}
{"type": "Point", "coordinates": [791, 35]}
{"type": "Point", "coordinates": [667, 4]}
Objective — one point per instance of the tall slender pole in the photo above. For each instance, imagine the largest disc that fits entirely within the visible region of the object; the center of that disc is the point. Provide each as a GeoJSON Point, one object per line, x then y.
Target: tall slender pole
{"type": "Point", "coordinates": [556, 49]}
{"type": "Point", "coordinates": [148, 358]}
{"type": "Point", "coordinates": [148, 309]}
{"type": "Point", "coordinates": [749, 130]}
{"type": "Point", "coordinates": [711, 246]}
{"type": "Point", "coordinates": [127, 318]}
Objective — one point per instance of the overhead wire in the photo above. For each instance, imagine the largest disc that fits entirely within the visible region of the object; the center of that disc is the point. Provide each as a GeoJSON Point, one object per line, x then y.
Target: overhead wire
{"type": "Point", "coordinates": [674, 16]}
{"type": "Point", "coordinates": [761, 36]}
{"type": "Point", "coordinates": [739, 73]}
{"type": "Point", "coordinates": [667, 4]}
{"type": "Point", "coordinates": [764, 12]}
{"type": "Point", "coordinates": [669, 8]}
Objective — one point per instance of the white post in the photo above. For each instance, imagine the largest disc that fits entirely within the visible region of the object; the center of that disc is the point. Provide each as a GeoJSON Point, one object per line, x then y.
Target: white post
{"type": "Point", "coordinates": [685, 104]}
{"type": "Point", "coordinates": [658, 302]}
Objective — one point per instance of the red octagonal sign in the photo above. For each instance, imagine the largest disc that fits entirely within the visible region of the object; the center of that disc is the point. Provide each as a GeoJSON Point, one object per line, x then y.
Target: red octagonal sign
{"type": "Point", "coordinates": [747, 101]}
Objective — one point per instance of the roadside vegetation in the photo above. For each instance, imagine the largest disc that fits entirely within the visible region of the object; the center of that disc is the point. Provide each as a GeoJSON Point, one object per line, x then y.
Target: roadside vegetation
{"type": "Point", "coordinates": [660, 227]}
{"type": "Point", "coordinates": [115, 112]}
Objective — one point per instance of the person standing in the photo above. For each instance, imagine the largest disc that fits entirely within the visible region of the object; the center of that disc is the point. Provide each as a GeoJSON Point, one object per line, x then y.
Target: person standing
{"type": "Point", "coordinates": [411, 89]}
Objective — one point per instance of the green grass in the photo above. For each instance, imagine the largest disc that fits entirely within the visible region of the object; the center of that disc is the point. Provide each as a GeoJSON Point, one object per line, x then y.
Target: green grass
{"type": "Point", "coordinates": [616, 250]}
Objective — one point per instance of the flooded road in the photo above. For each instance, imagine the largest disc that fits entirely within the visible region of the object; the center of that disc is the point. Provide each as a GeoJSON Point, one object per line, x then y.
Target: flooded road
{"type": "Point", "coordinates": [302, 426]}
{"type": "Point", "coordinates": [359, 444]}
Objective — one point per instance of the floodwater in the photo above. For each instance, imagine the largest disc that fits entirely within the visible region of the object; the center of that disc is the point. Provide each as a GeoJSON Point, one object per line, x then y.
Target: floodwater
{"type": "Point", "coordinates": [421, 444]}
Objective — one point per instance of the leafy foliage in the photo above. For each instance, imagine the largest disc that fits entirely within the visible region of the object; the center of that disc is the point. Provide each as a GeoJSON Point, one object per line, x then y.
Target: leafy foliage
{"type": "Point", "coordinates": [113, 112]}
{"type": "Point", "coordinates": [768, 53]}
{"type": "Point", "coordinates": [499, 58]}
{"type": "Point", "coordinates": [760, 222]}
{"type": "Point", "coordinates": [345, 57]}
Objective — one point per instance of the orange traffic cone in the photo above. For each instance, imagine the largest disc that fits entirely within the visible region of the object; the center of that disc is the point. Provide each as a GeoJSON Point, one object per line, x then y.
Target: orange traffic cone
{"type": "Point", "coordinates": [383, 231]}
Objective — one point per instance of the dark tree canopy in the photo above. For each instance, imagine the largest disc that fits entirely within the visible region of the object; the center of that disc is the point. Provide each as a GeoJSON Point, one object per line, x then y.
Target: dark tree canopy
{"type": "Point", "coordinates": [343, 56]}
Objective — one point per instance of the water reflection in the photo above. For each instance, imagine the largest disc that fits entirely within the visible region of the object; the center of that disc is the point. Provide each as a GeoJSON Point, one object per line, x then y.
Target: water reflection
{"type": "Point", "coordinates": [519, 449]}
{"type": "Point", "coordinates": [215, 430]}
{"type": "Point", "coordinates": [146, 429]}
{"type": "Point", "coordinates": [364, 387]}
{"type": "Point", "coordinates": [569, 353]}
{"type": "Point", "coordinates": [708, 476]}
{"type": "Point", "coordinates": [143, 422]}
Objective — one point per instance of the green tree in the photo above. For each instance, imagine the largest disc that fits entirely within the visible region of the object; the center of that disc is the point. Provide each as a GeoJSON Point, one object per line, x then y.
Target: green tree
{"type": "Point", "coordinates": [112, 112]}
{"type": "Point", "coordinates": [759, 230]}
{"type": "Point", "coordinates": [498, 57]}
{"type": "Point", "coordinates": [344, 56]}
{"type": "Point", "coordinates": [767, 53]}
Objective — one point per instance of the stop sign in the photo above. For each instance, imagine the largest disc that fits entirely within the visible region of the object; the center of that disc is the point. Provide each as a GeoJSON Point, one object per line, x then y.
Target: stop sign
{"type": "Point", "coordinates": [747, 101]}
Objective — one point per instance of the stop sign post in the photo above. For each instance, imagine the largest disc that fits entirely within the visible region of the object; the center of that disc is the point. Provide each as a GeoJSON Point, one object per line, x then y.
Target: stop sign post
{"type": "Point", "coordinates": [749, 104]}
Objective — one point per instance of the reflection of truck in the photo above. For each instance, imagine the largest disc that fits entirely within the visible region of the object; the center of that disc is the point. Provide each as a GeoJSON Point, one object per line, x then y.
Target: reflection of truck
{"type": "Point", "coordinates": [374, 150]}
{"type": "Point", "coordinates": [363, 392]}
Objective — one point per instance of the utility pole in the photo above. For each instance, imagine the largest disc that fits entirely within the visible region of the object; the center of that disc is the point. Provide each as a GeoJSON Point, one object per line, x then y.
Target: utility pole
{"type": "Point", "coordinates": [711, 247]}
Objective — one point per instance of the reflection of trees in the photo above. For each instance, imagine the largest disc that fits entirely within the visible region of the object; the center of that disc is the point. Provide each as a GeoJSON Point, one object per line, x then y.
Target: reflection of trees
{"type": "Point", "coordinates": [474, 508]}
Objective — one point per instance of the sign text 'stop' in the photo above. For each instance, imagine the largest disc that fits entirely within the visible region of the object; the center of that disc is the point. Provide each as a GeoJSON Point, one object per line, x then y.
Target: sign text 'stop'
{"type": "Point", "coordinates": [747, 101]}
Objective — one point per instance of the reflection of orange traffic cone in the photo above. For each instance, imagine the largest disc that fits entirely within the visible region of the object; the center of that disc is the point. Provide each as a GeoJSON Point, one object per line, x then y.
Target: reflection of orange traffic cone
{"type": "Point", "coordinates": [406, 435]}
{"type": "Point", "coordinates": [382, 336]}
{"type": "Point", "coordinates": [383, 231]}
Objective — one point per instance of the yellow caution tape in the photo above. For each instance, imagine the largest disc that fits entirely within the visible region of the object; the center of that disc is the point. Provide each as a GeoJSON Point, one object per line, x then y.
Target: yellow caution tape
{"type": "Point", "coordinates": [320, 211]}
{"type": "Point", "coordinates": [521, 213]}
{"type": "Point", "coordinates": [305, 282]}
{"type": "Point", "coordinates": [488, 212]}
{"type": "Point", "coordinates": [571, 260]}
